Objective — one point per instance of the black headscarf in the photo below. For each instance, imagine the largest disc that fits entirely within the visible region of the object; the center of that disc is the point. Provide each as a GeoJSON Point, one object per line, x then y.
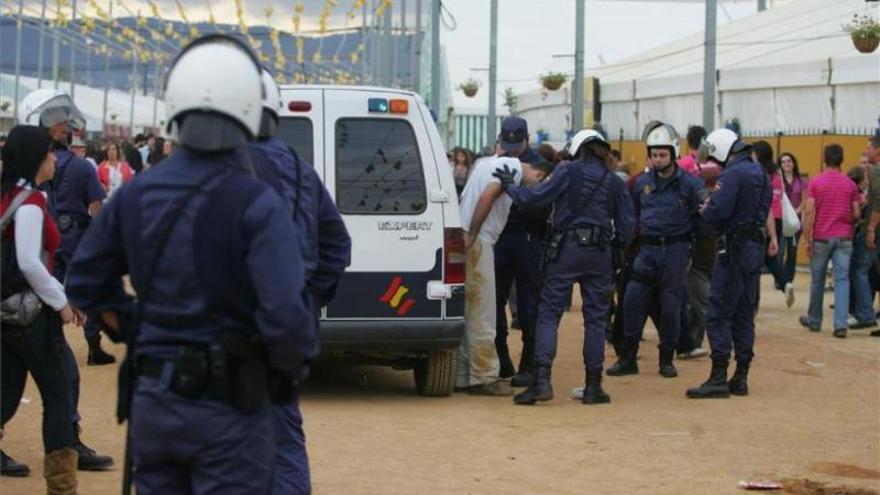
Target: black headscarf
{"type": "Point", "coordinates": [24, 152]}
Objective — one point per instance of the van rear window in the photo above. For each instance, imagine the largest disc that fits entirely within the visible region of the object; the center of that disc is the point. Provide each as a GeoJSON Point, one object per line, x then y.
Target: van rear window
{"type": "Point", "coordinates": [378, 169]}
{"type": "Point", "coordinates": [297, 132]}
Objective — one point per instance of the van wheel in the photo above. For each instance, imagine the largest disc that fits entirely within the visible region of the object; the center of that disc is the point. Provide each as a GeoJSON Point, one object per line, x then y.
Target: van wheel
{"type": "Point", "coordinates": [435, 375]}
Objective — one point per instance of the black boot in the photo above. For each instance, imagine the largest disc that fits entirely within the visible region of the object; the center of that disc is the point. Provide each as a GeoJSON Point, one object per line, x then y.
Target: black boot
{"type": "Point", "coordinates": [526, 374]}
{"type": "Point", "coordinates": [716, 386]}
{"type": "Point", "coordinates": [667, 369]}
{"type": "Point", "coordinates": [541, 389]}
{"type": "Point", "coordinates": [739, 384]}
{"type": "Point", "coordinates": [593, 393]}
{"type": "Point", "coordinates": [97, 356]}
{"type": "Point", "coordinates": [89, 460]}
{"type": "Point", "coordinates": [626, 363]}
{"type": "Point", "coordinates": [11, 467]}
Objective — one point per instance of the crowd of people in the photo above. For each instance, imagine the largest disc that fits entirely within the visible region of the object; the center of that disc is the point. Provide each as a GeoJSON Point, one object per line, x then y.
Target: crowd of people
{"type": "Point", "coordinates": [677, 246]}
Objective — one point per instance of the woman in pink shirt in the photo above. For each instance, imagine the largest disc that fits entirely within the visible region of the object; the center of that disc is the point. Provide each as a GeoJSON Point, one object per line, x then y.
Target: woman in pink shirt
{"type": "Point", "coordinates": [796, 190]}
{"type": "Point", "coordinates": [762, 153]}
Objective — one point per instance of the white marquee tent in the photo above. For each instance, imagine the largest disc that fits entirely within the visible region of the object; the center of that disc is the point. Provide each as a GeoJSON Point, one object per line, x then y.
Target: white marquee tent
{"type": "Point", "coordinates": [789, 69]}
{"type": "Point", "coordinates": [90, 101]}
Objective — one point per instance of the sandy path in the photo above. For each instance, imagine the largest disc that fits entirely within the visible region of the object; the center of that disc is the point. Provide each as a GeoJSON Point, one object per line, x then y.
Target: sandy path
{"type": "Point", "coordinates": [815, 404]}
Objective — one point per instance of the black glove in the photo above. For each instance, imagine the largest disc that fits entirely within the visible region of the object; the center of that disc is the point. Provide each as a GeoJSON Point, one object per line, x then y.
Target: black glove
{"type": "Point", "coordinates": [505, 175]}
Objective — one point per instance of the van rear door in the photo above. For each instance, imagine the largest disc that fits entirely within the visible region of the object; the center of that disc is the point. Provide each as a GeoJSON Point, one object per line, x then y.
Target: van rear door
{"type": "Point", "coordinates": [379, 167]}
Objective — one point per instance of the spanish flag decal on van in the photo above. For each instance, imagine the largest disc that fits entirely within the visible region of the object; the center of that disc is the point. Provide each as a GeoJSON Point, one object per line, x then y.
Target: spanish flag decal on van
{"type": "Point", "coordinates": [394, 297]}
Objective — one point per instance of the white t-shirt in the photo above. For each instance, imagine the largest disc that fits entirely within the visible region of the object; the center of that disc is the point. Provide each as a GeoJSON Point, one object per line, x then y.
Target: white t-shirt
{"type": "Point", "coordinates": [480, 178]}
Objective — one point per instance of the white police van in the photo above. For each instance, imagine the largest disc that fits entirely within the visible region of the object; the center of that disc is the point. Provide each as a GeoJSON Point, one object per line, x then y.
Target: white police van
{"type": "Point", "coordinates": [379, 153]}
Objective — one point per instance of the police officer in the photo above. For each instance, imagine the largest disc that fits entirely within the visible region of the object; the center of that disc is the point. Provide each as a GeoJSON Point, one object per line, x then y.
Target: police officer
{"type": "Point", "coordinates": [518, 259]}
{"type": "Point", "coordinates": [74, 195]}
{"type": "Point", "coordinates": [736, 211]}
{"type": "Point", "coordinates": [326, 249]}
{"type": "Point", "coordinates": [590, 205]}
{"type": "Point", "coordinates": [218, 269]}
{"type": "Point", "coordinates": [666, 199]}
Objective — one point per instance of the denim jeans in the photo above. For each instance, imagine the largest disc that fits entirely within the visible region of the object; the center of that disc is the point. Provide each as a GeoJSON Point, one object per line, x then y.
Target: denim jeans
{"type": "Point", "coordinates": [862, 297]}
{"type": "Point", "coordinates": [839, 251]}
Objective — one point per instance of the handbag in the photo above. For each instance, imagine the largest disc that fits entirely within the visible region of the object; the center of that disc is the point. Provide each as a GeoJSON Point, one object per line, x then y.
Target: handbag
{"type": "Point", "coordinates": [791, 224]}
{"type": "Point", "coordinates": [20, 308]}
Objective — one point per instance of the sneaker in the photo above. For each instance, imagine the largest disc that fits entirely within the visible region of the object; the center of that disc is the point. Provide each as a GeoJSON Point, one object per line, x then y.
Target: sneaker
{"type": "Point", "coordinates": [498, 388]}
{"type": "Point", "coordinates": [577, 393]}
{"type": "Point", "coordinates": [696, 353]}
{"type": "Point", "coordinates": [11, 467]}
{"type": "Point", "coordinates": [805, 322]}
{"type": "Point", "coordinates": [840, 333]}
{"type": "Point", "coordinates": [789, 294]}
{"type": "Point", "coordinates": [856, 325]}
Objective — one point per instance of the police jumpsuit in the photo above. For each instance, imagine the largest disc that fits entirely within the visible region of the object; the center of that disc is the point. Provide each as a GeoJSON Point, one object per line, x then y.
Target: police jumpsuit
{"type": "Point", "coordinates": [667, 212]}
{"type": "Point", "coordinates": [586, 198]}
{"type": "Point", "coordinates": [232, 266]}
{"type": "Point", "coordinates": [737, 210]}
{"type": "Point", "coordinates": [326, 253]}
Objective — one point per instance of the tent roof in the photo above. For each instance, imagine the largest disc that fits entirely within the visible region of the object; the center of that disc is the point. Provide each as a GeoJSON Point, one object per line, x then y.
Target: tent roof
{"type": "Point", "coordinates": [795, 34]}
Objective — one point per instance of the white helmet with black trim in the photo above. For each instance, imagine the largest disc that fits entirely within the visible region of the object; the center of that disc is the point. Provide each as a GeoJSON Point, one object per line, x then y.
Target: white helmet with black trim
{"type": "Point", "coordinates": [48, 108]}
{"type": "Point", "coordinates": [272, 106]}
{"type": "Point", "coordinates": [214, 94]}
{"type": "Point", "coordinates": [718, 145]}
{"type": "Point", "coordinates": [659, 134]}
{"type": "Point", "coordinates": [583, 137]}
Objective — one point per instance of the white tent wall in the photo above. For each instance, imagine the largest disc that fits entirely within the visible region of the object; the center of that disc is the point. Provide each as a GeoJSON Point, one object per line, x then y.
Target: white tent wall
{"type": "Point", "coordinates": [854, 106]}
{"type": "Point", "coordinates": [621, 115]}
{"type": "Point", "coordinates": [679, 111]}
{"type": "Point", "coordinates": [804, 110]}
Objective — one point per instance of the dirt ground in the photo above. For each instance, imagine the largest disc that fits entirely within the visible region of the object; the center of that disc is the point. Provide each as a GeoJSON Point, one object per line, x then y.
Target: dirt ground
{"type": "Point", "coordinates": [813, 417]}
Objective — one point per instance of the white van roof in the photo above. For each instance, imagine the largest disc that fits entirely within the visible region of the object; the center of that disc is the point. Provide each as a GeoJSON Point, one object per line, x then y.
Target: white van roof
{"type": "Point", "coordinates": [329, 87]}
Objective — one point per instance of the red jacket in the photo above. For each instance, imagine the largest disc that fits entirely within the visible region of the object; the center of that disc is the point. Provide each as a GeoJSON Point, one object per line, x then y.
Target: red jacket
{"type": "Point", "coordinates": [104, 173]}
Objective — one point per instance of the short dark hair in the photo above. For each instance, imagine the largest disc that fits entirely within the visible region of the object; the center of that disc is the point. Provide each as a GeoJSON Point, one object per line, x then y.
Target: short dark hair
{"type": "Point", "coordinates": [23, 154]}
{"type": "Point", "coordinates": [695, 135]}
{"type": "Point", "coordinates": [616, 154]}
{"type": "Point", "coordinates": [548, 153]}
{"type": "Point", "coordinates": [833, 155]}
{"type": "Point", "coordinates": [543, 165]}
{"type": "Point", "coordinates": [856, 174]}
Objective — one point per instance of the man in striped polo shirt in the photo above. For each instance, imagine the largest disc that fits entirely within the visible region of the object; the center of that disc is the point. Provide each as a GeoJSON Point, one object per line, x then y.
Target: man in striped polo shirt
{"type": "Point", "coordinates": [831, 207]}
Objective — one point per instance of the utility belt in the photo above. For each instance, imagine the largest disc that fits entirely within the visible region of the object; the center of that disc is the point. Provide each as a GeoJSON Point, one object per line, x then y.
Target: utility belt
{"type": "Point", "coordinates": [588, 236]}
{"type": "Point", "coordinates": [235, 372]}
{"type": "Point", "coordinates": [664, 240]}
{"type": "Point", "coordinates": [727, 244]}
{"type": "Point", "coordinates": [69, 221]}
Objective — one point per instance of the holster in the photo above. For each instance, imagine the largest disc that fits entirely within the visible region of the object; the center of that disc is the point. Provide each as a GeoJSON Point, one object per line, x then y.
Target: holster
{"type": "Point", "coordinates": [552, 248]}
{"type": "Point", "coordinates": [247, 372]}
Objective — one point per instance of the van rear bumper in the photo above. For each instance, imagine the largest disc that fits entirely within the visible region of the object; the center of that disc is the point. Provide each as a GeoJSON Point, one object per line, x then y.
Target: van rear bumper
{"type": "Point", "coordinates": [390, 335]}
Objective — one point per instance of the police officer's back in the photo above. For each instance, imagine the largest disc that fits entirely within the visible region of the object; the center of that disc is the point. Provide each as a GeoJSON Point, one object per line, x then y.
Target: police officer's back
{"type": "Point", "coordinates": [218, 270]}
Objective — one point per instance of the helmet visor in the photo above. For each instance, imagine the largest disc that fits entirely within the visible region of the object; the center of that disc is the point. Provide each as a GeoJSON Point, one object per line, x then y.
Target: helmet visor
{"type": "Point", "coordinates": [60, 110]}
{"type": "Point", "coordinates": [705, 150]}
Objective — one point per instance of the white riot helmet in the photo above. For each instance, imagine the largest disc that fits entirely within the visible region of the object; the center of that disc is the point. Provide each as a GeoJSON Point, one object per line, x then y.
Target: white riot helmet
{"type": "Point", "coordinates": [272, 106]}
{"type": "Point", "coordinates": [214, 94]}
{"type": "Point", "coordinates": [661, 135]}
{"type": "Point", "coordinates": [583, 137]}
{"type": "Point", "coordinates": [48, 108]}
{"type": "Point", "coordinates": [718, 145]}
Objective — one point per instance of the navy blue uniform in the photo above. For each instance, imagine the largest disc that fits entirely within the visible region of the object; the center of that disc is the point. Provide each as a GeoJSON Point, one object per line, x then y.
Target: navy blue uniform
{"type": "Point", "coordinates": [326, 250]}
{"type": "Point", "coordinates": [232, 265]}
{"type": "Point", "coordinates": [74, 187]}
{"type": "Point", "coordinates": [586, 196]}
{"type": "Point", "coordinates": [518, 258]}
{"type": "Point", "coordinates": [738, 209]}
{"type": "Point", "coordinates": [667, 212]}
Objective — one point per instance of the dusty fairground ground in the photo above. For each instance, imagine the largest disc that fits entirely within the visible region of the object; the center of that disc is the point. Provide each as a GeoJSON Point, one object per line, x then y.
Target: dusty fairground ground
{"type": "Point", "coordinates": [814, 414]}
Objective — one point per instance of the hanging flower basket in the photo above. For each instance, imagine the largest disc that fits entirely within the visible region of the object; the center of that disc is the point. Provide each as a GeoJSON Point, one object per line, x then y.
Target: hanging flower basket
{"type": "Point", "coordinates": [553, 80]}
{"type": "Point", "coordinates": [866, 44]}
{"type": "Point", "coordinates": [469, 87]}
{"type": "Point", "coordinates": [865, 32]}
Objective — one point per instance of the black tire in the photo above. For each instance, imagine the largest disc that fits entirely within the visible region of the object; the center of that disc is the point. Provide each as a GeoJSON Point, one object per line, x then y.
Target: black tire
{"type": "Point", "coordinates": [435, 375]}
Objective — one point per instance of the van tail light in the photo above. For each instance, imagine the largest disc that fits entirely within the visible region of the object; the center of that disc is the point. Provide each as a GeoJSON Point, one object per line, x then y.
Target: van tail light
{"type": "Point", "coordinates": [299, 106]}
{"type": "Point", "coordinates": [453, 256]}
